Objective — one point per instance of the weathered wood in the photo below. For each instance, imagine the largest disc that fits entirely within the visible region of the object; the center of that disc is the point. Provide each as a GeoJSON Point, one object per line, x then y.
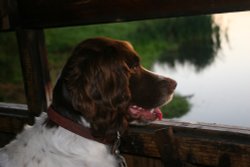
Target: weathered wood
{"type": "Point", "coordinates": [14, 110]}
{"type": "Point", "coordinates": [165, 142]}
{"type": "Point", "coordinates": [139, 161]}
{"type": "Point", "coordinates": [8, 14]}
{"type": "Point", "coordinates": [187, 144]}
{"type": "Point", "coordinates": [33, 55]}
{"type": "Point", "coordinates": [176, 143]}
{"type": "Point", "coordinates": [13, 117]}
{"type": "Point", "coordinates": [11, 124]}
{"type": "Point", "coordinates": [5, 138]}
{"type": "Point", "coordinates": [47, 13]}
{"type": "Point", "coordinates": [4, 20]}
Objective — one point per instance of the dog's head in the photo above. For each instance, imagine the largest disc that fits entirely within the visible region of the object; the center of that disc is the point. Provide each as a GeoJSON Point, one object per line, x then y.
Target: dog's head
{"type": "Point", "coordinates": [104, 83]}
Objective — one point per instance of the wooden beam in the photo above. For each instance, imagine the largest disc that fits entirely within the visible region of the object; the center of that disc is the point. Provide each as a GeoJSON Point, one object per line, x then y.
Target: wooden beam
{"type": "Point", "coordinates": [4, 20]}
{"type": "Point", "coordinates": [165, 141]}
{"type": "Point", "coordinates": [186, 144]}
{"type": "Point", "coordinates": [175, 143]}
{"type": "Point", "coordinates": [5, 138]}
{"type": "Point", "coordinates": [8, 14]}
{"type": "Point", "coordinates": [12, 118]}
{"type": "Point", "coordinates": [47, 13]}
{"type": "Point", "coordinates": [33, 55]}
{"type": "Point", "coordinates": [14, 110]}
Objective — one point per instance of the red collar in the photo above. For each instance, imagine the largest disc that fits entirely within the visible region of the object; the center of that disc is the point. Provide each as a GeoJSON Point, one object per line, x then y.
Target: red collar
{"type": "Point", "coordinates": [71, 125]}
{"type": "Point", "coordinates": [84, 132]}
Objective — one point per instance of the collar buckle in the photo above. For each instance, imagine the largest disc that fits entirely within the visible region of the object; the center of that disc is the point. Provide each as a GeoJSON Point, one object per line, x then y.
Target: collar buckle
{"type": "Point", "coordinates": [115, 151]}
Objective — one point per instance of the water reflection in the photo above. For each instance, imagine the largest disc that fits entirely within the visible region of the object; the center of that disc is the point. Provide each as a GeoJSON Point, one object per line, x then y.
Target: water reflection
{"type": "Point", "coordinates": [198, 41]}
{"type": "Point", "coordinates": [221, 90]}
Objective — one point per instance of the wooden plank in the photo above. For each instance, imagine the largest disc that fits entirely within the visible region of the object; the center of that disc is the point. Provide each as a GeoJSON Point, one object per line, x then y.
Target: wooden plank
{"type": "Point", "coordinates": [13, 117]}
{"type": "Point", "coordinates": [176, 143]}
{"type": "Point", "coordinates": [139, 161]}
{"type": "Point", "coordinates": [8, 14]}
{"type": "Point", "coordinates": [12, 124]}
{"type": "Point", "coordinates": [33, 55]}
{"type": "Point", "coordinates": [186, 144]}
{"type": "Point", "coordinates": [47, 13]}
{"type": "Point", "coordinates": [165, 142]}
{"type": "Point", "coordinates": [140, 141]}
{"type": "Point", "coordinates": [5, 138]}
{"type": "Point", "coordinates": [4, 20]}
{"type": "Point", "coordinates": [14, 110]}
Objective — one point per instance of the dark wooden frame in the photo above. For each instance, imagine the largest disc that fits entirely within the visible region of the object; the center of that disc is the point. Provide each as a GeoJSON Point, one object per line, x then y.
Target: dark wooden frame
{"type": "Point", "coordinates": [166, 143]}
{"type": "Point", "coordinates": [47, 13]}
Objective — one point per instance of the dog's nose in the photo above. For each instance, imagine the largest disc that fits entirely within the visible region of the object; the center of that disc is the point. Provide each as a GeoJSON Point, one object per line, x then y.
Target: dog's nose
{"type": "Point", "coordinates": [168, 85]}
{"type": "Point", "coordinates": [171, 84]}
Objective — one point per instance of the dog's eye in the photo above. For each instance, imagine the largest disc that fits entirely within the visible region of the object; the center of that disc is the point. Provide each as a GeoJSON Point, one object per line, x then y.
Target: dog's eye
{"type": "Point", "coordinates": [134, 64]}
{"type": "Point", "coordinates": [135, 67]}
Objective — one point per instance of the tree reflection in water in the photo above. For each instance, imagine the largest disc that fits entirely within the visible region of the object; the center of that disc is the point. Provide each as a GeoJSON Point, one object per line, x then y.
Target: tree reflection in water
{"type": "Point", "coordinates": [198, 41]}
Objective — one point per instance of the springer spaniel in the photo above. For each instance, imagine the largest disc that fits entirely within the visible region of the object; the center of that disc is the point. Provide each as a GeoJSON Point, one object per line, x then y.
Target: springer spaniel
{"type": "Point", "coordinates": [101, 89]}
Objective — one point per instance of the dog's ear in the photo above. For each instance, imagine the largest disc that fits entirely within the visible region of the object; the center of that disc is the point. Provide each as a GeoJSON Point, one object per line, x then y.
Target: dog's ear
{"type": "Point", "coordinates": [110, 93]}
{"type": "Point", "coordinates": [98, 83]}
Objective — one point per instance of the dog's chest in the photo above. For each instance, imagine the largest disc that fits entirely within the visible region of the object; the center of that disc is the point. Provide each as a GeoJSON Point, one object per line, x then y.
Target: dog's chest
{"type": "Point", "coordinates": [39, 146]}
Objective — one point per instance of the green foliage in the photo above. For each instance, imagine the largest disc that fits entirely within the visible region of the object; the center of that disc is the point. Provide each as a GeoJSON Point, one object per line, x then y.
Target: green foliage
{"type": "Point", "coordinates": [198, 40]}
{"type": "Point", "coordinates": [10, 69]}
{"type": "Point", "coordinates": [11, 87]}
{"type": "Point", "coordinates": [192, 39]}
{"type": "Point", "coordinates": [178, 107]}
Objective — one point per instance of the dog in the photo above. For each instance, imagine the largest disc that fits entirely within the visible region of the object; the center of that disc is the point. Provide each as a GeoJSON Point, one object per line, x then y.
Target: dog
{"type": "Point", "coordinates": [101, 89]}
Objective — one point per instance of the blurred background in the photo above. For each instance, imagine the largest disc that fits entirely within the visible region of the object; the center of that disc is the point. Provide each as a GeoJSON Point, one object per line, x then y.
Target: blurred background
{"type": "Point", "coordinates": [208, 56]}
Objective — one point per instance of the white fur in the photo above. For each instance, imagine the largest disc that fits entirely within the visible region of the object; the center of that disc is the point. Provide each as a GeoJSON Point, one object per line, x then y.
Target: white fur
{"type": "Point", "coordinates": [39, 146]}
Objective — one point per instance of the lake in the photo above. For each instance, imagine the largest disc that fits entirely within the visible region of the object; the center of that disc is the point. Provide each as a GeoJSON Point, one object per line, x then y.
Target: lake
{"type": "Point", "coordinates": [220, 92]}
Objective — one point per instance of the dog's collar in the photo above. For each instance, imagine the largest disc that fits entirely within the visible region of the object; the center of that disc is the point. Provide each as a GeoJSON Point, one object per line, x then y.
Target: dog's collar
{"type": "Point", "coordinates": [84, 132]}
{"type": "Point", "coordinates": [72, 126]}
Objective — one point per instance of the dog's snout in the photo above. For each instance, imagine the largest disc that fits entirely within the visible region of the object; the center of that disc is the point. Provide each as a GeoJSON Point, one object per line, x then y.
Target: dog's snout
{"type": "Point", "coordinates": [168, 84]}
{"type": "Point", "coordinates": [171, 84]}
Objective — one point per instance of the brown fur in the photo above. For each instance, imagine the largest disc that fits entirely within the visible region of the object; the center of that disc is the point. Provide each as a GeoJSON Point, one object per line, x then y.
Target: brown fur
{"type": "Point", "coordinates": [101, 79]}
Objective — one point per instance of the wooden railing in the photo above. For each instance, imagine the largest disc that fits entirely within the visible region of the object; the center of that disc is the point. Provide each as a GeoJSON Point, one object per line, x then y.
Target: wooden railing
{"type": "Point", "coordinates": [166, 143]}
{"type": "Point", "coordinates": [57, 13]}
{"type": "Point", "coordinates": [180, 144]}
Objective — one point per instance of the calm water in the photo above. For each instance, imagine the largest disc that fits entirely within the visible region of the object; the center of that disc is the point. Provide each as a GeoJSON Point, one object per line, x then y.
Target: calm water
{"type": "Point", "coordinates": [221, 91]}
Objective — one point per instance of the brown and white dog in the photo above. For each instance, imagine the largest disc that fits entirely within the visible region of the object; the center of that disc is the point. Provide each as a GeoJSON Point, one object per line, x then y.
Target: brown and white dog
{"type": "Point", "coordinates": [101, 89]}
